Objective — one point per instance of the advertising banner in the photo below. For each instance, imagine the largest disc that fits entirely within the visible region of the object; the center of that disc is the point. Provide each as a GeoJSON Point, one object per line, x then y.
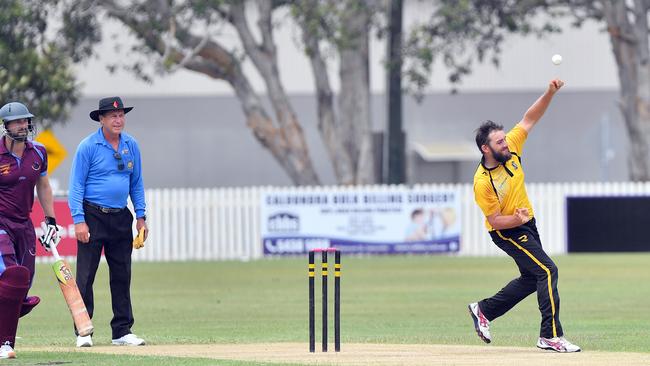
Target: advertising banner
{"type": "Point", "coordinates": [68, 244]}
{"type": "Point", "coordinates": [401, 220]}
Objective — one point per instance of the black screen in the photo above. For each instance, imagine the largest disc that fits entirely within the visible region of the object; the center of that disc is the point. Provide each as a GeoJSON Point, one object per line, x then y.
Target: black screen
{"type": "Point", "coordinates": [608, 224]}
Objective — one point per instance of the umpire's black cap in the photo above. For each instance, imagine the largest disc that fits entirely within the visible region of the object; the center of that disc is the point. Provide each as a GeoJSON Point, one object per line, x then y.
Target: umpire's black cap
{"type": "Point", "coordinates": [109, 104]}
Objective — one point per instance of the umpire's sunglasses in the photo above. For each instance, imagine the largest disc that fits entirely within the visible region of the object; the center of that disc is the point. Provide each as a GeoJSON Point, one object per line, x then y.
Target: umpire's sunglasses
{"type": "Point", "coordinates": [120, 163]}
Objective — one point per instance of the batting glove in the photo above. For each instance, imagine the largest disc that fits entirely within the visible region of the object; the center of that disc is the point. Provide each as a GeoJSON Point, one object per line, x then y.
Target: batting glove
{"type": "Point", "coordinates": [50, 235]}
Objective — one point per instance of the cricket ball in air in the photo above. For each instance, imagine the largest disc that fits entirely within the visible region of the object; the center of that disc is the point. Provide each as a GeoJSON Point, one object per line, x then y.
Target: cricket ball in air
{"type": "Point", "coordinates": [556, 59]}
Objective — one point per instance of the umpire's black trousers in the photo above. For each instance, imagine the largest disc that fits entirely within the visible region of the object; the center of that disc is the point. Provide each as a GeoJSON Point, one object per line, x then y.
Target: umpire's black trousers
{"type": "Point", "coordinates": [538, 273]}
{"type": "Point", "coordinates": [113, 233]}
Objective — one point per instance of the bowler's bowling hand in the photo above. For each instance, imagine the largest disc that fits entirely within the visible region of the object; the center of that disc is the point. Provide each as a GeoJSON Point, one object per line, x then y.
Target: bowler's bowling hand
{"type": "Point", "coordinates": [555, 85]}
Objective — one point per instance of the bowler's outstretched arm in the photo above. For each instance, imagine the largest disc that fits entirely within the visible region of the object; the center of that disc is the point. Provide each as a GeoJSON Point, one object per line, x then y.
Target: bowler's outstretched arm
{"type": "Point", "coordinates": [537, 109]}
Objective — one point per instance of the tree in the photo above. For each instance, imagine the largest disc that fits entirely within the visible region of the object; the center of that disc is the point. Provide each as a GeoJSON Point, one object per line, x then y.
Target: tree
{"type": "Point", "coordinates": [463, 32]}
{"type": "Point", "coordinates": [186, 34]}
{"type": "Point", "coordinates": [345, 25]}
{"type": "Point", "coordinates": [475, 29]}
{"type": "Point", "coordinates": [35, 67]}
{"type": "Point", "coordinates": [627, 25]}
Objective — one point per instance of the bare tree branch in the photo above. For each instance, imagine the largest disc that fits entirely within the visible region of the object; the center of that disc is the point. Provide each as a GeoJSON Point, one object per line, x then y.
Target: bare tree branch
{"type": "Point", "coordinates": [265, 25]}
{"type": "Point", "coordinates": [203, 54]}
{"type": "Point", "coordinates": [238, 20]}
{"type": "Point", "coordinates": [263, 56]}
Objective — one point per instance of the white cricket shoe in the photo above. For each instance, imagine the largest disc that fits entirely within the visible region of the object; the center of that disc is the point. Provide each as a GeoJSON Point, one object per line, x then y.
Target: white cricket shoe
{"type": "Point", "coordinates": [557, 344]}
{"type": "Point", "coordinates": [84, 341]}
{"type": "Point", "coordinates": [129, 340]}
{"type": "Point", "coordinates": [6, 351]}
{"type": "Point", "coordinates": [481, 324]}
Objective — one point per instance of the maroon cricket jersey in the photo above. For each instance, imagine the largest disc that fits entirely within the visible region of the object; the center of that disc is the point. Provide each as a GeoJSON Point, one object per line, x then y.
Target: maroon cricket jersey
{"type": "Point", "coordinates": [18, 176]}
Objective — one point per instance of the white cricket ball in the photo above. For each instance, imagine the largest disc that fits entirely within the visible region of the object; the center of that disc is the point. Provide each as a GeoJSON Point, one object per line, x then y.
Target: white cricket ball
{"type": "Point", "coordinates": [556, 59]}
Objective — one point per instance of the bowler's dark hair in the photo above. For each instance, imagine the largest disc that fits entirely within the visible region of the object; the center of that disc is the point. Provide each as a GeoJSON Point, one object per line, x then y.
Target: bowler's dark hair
{"type": "Point", "coordinates": [483, 133]}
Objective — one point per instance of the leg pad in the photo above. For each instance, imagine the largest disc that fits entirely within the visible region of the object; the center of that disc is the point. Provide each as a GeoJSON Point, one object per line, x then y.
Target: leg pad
{"type": "Point", "coordinates": [14, 285]}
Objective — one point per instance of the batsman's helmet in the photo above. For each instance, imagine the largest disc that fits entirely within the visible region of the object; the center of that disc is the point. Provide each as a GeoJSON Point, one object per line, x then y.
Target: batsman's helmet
{"type": "Point", "coordinates": [13, 111]}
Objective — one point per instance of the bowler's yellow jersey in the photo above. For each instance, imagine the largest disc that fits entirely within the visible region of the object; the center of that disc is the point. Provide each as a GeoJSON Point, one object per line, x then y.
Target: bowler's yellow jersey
{"type": "Point", "coordinates": [502, 189]}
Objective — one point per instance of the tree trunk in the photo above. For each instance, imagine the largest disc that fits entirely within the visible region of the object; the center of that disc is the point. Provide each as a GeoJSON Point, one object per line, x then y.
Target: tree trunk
{"type": "Point", "coordinates": [277, 140]}
{"type": "Point", "coordinates": [630, 48]}
{"type": "Point", "coordinates": [286, 142]}
{"type": "Point", "coordinates": [289, 139]}
{"type": "Point", "coordinates": [348, 136]}
{"type": "Point", "coordinates": [327, 121]}
{"type": "Point", "coordinates": [354, 99]}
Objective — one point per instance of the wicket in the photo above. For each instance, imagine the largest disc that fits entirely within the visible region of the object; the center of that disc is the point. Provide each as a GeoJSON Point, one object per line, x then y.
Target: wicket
{"type": "Point", "coordinates": [337, 298]}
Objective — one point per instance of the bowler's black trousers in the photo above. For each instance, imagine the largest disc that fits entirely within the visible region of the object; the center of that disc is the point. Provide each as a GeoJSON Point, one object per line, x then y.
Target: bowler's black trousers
{"type": "Point", "coordinates": [538, 273]}
{"type": "Point", "coordinates": [113, 233]}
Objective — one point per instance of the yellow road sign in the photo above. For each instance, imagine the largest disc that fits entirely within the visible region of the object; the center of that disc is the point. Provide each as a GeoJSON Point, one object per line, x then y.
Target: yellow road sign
{"type": "Point", "coordinates": [56, 153]}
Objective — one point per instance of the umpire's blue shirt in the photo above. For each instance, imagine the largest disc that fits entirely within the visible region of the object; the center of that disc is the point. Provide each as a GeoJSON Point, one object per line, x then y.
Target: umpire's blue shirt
{"type": "Point", "coordinates": [98, 176]}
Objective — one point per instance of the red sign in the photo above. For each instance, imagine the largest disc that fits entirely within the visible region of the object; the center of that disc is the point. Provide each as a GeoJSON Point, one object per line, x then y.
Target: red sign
{"type": "Point", "coordinates": [68, 244]}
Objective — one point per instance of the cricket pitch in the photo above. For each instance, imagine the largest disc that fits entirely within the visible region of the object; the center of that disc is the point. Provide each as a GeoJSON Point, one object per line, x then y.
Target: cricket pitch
{"type": "Point", "coordinates": [378, 354]}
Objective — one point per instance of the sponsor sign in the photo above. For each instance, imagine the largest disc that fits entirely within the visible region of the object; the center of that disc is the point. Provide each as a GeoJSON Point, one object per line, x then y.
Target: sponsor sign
{"type": "Point", "coordinates": [68, 244]}
{"type": "Point", "coordinates": [361, 221]}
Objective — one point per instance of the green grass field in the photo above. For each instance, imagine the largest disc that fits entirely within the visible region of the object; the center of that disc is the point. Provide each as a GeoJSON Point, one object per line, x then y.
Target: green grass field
{"type": "Point", "coordinates": [411, 300]}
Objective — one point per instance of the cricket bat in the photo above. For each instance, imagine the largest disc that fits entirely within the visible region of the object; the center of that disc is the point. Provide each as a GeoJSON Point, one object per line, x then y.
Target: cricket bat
{"type": "Point", "coordinates": [71, 294]}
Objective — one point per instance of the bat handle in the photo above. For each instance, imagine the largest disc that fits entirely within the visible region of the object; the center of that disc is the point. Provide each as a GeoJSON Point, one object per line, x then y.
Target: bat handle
{"type": "Point", "coordinates": [55, 253]}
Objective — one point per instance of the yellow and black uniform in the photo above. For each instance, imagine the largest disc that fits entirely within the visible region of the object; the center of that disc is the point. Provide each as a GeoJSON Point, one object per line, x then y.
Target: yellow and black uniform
{"type": "Point", "coordinates": [501, 189]}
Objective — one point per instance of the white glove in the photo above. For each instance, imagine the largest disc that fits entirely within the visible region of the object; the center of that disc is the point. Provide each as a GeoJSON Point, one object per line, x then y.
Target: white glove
{"type": "Point", "coordinates": [50, 237]}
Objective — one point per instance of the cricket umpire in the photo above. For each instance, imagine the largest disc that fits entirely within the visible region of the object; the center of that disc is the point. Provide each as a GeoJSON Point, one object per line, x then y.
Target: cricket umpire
{"type": "Point", "coordinates": [501, 194]}
{"type": "Point", "coordinates": [106, 170]}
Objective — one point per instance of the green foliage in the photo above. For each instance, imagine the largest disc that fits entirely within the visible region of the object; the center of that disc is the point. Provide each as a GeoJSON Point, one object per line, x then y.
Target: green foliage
{"type": "Point", "coordinates": [80, 31]}
{"type": "Point", "coordinates": [462, 32]}
{"type": "Point", "coordinates": [324, 19]}
{"type": "Point", "coordinates": [153, 22]}
{"type": "Point", "coordinates": [34, 69]}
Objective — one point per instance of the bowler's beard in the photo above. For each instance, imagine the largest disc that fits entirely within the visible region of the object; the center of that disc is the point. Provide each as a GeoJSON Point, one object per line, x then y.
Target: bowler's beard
{"type": "Point", "coordinates": [500, 157]}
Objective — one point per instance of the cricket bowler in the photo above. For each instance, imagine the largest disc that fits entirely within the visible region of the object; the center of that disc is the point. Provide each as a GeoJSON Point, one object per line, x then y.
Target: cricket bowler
{"type": "Point", "coordinates": [500, 192]}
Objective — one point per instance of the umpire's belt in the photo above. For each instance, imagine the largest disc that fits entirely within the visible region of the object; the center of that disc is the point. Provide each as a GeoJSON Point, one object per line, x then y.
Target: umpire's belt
{"type": "Point", "coordinates": [103, 209]}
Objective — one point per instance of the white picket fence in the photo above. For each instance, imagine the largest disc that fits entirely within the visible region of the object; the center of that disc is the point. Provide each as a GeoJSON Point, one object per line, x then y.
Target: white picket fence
{"type": "Point", "coordinates": [224, 223]}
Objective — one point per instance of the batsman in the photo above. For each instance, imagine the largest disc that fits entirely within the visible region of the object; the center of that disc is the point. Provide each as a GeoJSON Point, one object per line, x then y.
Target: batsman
{"type": "Point", "coordinates": [23, 167]}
